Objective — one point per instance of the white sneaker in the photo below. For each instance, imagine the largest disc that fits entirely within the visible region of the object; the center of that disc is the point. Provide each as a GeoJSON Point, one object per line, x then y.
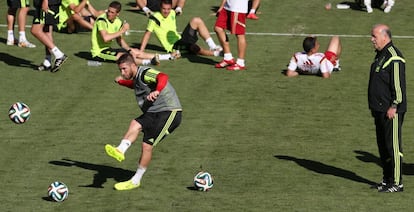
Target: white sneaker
{"type": "Point", "coordinates": [26, 44]}
{"type": "Point", "coordinates": [370, 10]}
{"type": "Point", "coordinates": [10, 42]}
{"type": "Point", "coordinates": [387, 9]}
{"type": "Point", "coordinates": [217, 48]}
{"type": "Point", "coordinates": [147, 11]}
{"type": "Point", "coordinates": [178, 11]}
{"type": "Point", "coordinates": [218, 51]}
{"type": "Point", "coordinates": [176, 54]}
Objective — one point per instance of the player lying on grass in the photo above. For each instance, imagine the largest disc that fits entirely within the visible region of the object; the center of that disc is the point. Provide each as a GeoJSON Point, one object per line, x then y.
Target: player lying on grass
{"type": "Point", "coordinates": [161, 114]}
{"type": "Point", "coordinates": [312, 62]}
{"type": "Point", "coordinates": [164, 25]}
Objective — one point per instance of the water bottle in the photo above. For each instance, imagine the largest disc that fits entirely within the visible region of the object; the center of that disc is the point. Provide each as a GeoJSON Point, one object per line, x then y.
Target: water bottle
{"type": "Point", "coordinates": [126, 32]}
{"type": "Point", "coordinates": [94, 63]}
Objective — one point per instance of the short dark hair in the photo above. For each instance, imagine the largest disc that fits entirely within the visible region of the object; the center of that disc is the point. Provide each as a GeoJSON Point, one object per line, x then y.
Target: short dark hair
{"type": "Point", "coordinates": [117, 5]}
{"type": "Point", "coordinates": [125, 58]}
{"type": "Point", "coordinates": [166, 2]}
{"type": "Point", "coordinates": [309, 43]}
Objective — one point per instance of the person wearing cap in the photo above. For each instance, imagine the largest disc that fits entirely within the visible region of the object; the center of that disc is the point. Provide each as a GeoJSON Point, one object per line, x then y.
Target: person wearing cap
{"type": "Point", "coordinates": [312, 62]}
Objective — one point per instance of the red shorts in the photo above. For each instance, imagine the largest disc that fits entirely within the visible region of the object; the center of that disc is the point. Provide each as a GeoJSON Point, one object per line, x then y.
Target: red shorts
{"type": "Point", "coordinates": [234, 22]}
{"type": "Point", "coordinates": [331, 56]}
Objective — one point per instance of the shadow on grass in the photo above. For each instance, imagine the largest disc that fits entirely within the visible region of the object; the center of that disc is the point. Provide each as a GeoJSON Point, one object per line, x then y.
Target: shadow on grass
{"type": "Point", "coordinates": [321, 168]}
{"type": "Point", "coordinates": [408, 168]}
{"type": "Point", "coordinates": [199, 59]}
{"type": "Point", "coordinates": [103, 172]}
{"type": "Point", "coordinates": [150, 47]}
{"type": "Point", "coordinates": [15, 61]}
{"type": "Point", "coordinates": [88, 56]}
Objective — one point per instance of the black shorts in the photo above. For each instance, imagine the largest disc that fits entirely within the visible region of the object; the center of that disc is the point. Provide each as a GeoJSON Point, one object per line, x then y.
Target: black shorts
{"type": "Point", "coordinates": [18, 3]}
{"type": "Point", "coordinates": [188, 41]}
{"type": "Point", "coordinates": [109, 54]}
{"type": "Point", "coordinates": [49, 18]}
{"type": "Point", "coordinates": [154, 5]}
{"type": "Point", "coordinates": [156, 126]}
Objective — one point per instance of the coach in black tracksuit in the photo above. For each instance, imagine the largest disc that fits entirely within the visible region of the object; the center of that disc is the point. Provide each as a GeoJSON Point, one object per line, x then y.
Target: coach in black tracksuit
{"type": "Point", "coordinates": [388, 104]}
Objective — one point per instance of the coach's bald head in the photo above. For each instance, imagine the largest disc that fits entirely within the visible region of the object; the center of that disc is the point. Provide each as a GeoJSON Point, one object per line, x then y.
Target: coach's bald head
{"type": "Point", "coordinates": [380, 36]}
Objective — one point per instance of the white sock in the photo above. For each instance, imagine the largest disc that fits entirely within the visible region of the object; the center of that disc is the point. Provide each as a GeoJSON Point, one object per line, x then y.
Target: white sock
{"type": "Point", "coordinates": [10, 35]}
{"type": "Point", "coordinates": [124, 145]}
{"type": "Point", "coordinates": [228, 56]}
{"type": "Point", "coordinates": [56, 52]}
{"type": "Point", "coordinates": [164, 56]}
{"type": "Point", "coordinates": [240, 62]}
{"type": "Point", "coordinates": [22, 36]}
{"type": "Point", "coordinates": [136, 179]}
{"type": "Point", "coordinates": [210, 43]}
{"type": "Point", "coordinates": [252, 11]}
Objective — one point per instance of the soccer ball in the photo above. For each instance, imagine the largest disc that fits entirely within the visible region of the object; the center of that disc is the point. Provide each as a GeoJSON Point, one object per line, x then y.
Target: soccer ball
{"type": "Point", "coordinates": [203, 181]}
{"type": "Point", "coordinates": [19, 113]}
{"type": "Point", "coordinates": [58, 191]}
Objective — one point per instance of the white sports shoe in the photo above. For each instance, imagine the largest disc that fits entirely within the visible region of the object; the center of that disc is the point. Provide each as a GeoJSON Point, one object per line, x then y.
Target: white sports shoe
{"type": "Point", "coordinates": [10, 42]}
{"type": "Point", "coordinates": [387, 9]}
{"type": "Point", "coordinates": [369, 9]}
{"type": "Point", "coordinates": [176, 54]}
{"type": "Point", "coordinates": [217, 48]}
{"type": "Point", "coordinates": [26, 44]}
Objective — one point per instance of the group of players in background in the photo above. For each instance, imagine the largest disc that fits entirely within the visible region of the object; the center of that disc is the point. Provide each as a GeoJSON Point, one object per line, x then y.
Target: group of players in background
{"type": "Point", "coordinates": [157, 98]}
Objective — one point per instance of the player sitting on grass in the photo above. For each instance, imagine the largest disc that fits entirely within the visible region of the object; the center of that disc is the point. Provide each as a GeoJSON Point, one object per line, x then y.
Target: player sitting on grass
{"type": "Point", "coordinates": [164, 25]}
{"type": "Point", "coordinates": [312, 62]}
{"type": "Point", "coordinates": [77, 14]}
{"type": "Point", "coordinates": [109, 27]}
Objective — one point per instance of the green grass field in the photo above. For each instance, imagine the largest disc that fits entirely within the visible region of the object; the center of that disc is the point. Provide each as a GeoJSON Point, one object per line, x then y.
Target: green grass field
{"type": "Point", "coordinates": [272, 143]}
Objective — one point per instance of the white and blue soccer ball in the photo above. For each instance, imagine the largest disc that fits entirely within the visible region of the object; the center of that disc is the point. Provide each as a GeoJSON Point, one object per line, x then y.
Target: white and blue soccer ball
{"type": "Point", "coordinates": [58, 191]}
{"type": "Point", "coordinates": [19, 112]}
{"type": "Point", "coordinates": [203, 181]}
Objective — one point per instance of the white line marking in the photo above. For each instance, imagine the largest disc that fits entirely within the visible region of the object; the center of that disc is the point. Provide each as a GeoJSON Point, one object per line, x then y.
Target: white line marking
{"type": "Point", "coordinates": [285, 34]}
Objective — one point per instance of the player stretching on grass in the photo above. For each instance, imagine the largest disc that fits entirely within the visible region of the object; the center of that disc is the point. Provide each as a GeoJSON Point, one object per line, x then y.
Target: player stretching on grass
{"type": "Point", "coordinates": [312, 62]}
{"type": "Point", "coordinates": [161, 114]}
{"type": "Point", "coordinates": [109, 27]}
{"type": "Point", "coordinates": [164, 25]}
